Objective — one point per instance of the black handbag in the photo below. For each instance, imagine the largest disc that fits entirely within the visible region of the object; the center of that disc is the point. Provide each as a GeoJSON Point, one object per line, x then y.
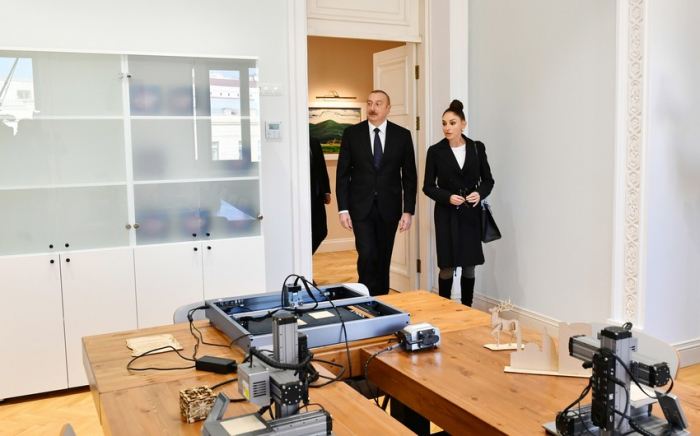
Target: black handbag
{"type": "Point", "coordinates": [489, 229]}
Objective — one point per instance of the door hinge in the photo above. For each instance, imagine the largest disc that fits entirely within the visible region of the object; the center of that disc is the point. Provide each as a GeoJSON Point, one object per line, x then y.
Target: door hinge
{"type": "Point", "coordinates": [417, 123]}
{"type": "Point", "coordinates": [417, 72]}
{"type": "Point", "coordinates": [418, 266]}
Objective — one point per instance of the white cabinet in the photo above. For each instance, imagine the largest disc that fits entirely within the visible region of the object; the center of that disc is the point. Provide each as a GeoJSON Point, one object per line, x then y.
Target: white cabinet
{"type": "Point", "coordinates": [31, 326]}
{"type": "Point", "coordinates": [99, 297]}
{"type": "Point", "coordinates": [130, 186]}
{"type": "Point", "coordinates": [167, 276]}
{"type": "Point", "coordinates": [233, 267]}
{"type": "Point", "coordinates": [172, 275]}
{"type": "Point", "coordinates": [48, 303]}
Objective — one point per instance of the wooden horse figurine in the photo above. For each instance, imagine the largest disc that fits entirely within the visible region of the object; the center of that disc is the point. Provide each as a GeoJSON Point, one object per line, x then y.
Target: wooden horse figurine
{"type": "Point", "coordinates": [500, 324]}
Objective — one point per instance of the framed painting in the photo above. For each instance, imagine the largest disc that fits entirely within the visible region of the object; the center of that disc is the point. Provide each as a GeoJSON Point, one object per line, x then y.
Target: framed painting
{"type": "Point", "coordinates": [327, 121]}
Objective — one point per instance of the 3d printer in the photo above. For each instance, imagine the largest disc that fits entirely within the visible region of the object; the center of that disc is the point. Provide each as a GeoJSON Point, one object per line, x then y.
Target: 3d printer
{"type": "Point", "coordinates": [283, 379]}
{"type": "Point", "coordinates": [616, 364]}
{"type": "Point", "coordinates": [327, 314]}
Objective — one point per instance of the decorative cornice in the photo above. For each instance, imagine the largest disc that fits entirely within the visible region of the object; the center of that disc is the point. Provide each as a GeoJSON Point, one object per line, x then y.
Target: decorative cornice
{"type": "Point", "coordinates": [635, 132]}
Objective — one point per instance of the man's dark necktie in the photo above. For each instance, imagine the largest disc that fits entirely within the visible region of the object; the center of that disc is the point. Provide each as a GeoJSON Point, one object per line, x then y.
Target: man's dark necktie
{"type": "Point", "coordinates": [377, 149]}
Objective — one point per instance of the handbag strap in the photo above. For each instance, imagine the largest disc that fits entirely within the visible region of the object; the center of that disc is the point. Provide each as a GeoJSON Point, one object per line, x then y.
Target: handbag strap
{"type": "Point", "coordinates": [478, 163]}
{"type": "Point", "coordinates": [484, 201]}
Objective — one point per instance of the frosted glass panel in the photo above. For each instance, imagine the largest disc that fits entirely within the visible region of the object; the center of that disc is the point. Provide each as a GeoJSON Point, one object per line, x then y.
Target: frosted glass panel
{"type": "Point", "coordinates": [163, 149]}
{"type": "Point", "coordinates": [63, 149]}
{"type": "Point", "coordinates": [161, 86]}
{"type": "Point", "coordinates": [92, 217]}
{"type": "Point", "coordinates": [210, 165]}
{"type": "Point", "coordinates": [28, 221]}
{"type": "Point", "coordinates": [61, 84]}
{"type": "Point", "coordinates": [231, 208]}
{"type": "Point", "coordinates": [175, 212]}
{"type": "Point", "coordinates": [63, 152]}
{"type": "Point", "coordinates": [166, 212]}
{"type": "Point", "coordinates": [78, 84]}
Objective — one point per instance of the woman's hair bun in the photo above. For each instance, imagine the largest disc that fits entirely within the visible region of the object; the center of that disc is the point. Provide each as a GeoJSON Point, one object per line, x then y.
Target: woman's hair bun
{"type": "Point", "coordinates": [456, 104]}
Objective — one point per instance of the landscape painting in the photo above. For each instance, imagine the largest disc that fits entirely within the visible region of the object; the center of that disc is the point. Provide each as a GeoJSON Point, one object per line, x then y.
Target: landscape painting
{"type": "Point", "coordinates": [327, 124]}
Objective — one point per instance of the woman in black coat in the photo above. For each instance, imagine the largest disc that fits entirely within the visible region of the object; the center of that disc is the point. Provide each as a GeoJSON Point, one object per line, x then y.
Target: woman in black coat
{"type": "Point", "coordinates": [452, 171]}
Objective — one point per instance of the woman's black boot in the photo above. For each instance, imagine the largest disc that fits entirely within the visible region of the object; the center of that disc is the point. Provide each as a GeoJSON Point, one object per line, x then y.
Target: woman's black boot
{"type": "Point", "coordinates": [467, 290]}
{"type": "Point", "coordinates": [445, 287]}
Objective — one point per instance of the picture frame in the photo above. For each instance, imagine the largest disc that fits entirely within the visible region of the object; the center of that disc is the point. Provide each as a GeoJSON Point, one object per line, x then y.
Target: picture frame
{"type": "Point", "coordinates": [328, 120]}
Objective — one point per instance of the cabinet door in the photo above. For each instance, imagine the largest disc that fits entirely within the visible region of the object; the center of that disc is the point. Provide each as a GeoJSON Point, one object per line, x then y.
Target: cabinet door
{"type": "Point", "coordinates": [31, 326]}
{"type": "Point", "coordinates": [233, 267]}
{"type": "Point", "coordinates": [167, 276]}
{"type": "Point", "coordinates": [98, 297]}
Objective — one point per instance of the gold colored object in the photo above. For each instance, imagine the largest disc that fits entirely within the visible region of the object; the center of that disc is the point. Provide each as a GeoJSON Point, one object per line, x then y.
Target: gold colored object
{"type": "Point", "coordinates": [196, 403]}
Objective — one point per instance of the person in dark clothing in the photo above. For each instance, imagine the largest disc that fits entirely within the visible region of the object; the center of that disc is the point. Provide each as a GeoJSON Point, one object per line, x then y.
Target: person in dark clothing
{"type": "Point", "coordinates": [320, 194]}
{"type": "Point", "coordinates": [457, 177]}
{"type": "Point", "coordinates": [376, 188]}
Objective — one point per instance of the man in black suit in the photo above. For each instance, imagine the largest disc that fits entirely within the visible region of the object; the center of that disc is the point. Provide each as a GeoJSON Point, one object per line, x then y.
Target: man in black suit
{"type": "Point", "coordinates": [376, 189]}
{"type": "Point", "coordinates": [320, 195]}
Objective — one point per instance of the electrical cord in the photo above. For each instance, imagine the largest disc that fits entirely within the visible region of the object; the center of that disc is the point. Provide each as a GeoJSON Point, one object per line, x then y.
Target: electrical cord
{"type": "Point", "coordinates": [320, 407]}
{"type": "Point", "coordinates": [279, 365]}
{"type": "Point", "coordinates": [223, 383]}
{"type": "Point", "coordinates": [199, 339]}
{"type": "Point", "coordinates": [149, 352]}
{"type": "Point", "coordinates": [239, 338]}
{"type": "Point", "coordinates": [619, 382]}
{"type": "Point", "coordinates": [308, 285]}
{"type": "Point", "coordinates": [564, 413]}
{"type": "Point", "coordinates": [330, 379]}
{"type": "Point", "coordinates": [369, 388]}
{"type": "Point", "coordinates": [633, 424]}
{"type": "Point", "coordinates": [193, 328]}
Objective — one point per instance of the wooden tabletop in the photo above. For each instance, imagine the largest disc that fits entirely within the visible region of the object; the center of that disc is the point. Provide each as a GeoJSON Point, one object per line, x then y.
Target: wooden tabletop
{"type": "Point", "coordinates": [154, 410]}
{"type": "Point", "coordinates": [462, 387]}
{"type": "Point", "coordinates": [149, 399]}
{"type": "Point", "coordinates": [423, 306]}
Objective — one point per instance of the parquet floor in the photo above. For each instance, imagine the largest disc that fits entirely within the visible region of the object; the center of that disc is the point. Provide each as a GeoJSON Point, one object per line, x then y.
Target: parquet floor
{"type": "Point", "coordinates": [335, 267]}
{"type": "Point", "coordinates": [45, 414]}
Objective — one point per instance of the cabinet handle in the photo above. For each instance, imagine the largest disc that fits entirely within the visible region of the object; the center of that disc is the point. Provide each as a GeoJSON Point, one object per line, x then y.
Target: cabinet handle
{"type": "Point", "coordinates": [128, 226]}
{"type": "Point", "coordinates": [50, 245]}
{"type": "Point", "coordinates": [51, 261]}
{"type": "Point", "coordinates": [208, 234]}
{"type": "Point", "coordinates": [260, 217]}
{"type": "Point", "coordinates": [67, 245]}
{"type": "Point", "coordinates": [208, 247]}
{"type": "Point", "coordinates": [195, 249]}
{"type": "Point", "coordinates": [136, 225]}
{"type": "Point", "coordinates": [194, 235]}
{"type": "Point", "coordinates": [68, 259]}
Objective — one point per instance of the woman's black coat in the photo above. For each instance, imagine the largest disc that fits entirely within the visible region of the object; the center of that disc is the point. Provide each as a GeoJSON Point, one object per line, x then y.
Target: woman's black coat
{"type": "Point", "coordinates": [457, 230]}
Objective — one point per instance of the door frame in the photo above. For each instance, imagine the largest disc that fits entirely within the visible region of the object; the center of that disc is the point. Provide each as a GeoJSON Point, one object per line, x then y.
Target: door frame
{"type": "Point", "coordinates": [298, 134]}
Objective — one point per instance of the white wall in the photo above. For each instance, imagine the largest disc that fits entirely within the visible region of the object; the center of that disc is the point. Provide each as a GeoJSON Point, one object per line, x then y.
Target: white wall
{"type": "Point", "coordinates": [542, 99]}
{"type": "Point", "coordinates": [211, 28]}
{"type": "Point", "coordinates": [673, 245]}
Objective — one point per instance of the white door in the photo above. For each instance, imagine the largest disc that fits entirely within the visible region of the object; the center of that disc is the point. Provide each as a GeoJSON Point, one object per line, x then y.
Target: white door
{"type": "Point", "coordinates": [394, 73]}
{"type": "Point", "coordinates": [31, 326]}
{"type": "Point", "coordinates": [233, 267]}
{"type": "Point", "coordinates": [167, 276]}
{"type": "Point", "coordinates": [99, 296]}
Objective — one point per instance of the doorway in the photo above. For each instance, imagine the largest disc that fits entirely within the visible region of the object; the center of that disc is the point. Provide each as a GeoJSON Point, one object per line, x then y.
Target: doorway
{"type": "Point", "coordinates": [340, 74]}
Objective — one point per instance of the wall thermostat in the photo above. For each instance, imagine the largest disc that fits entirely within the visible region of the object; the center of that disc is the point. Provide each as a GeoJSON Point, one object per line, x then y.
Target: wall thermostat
{"type": "Point", "coordinates": [273, 129]}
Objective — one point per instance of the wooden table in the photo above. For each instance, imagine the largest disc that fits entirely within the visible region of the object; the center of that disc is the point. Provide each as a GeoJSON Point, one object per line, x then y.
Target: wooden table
{"type": "Point", "coordinates": [461, 386]}
{"type": "Point", "coordinates": [148, 402]}
{"type": "Point", "coordinates": [423, 306]}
